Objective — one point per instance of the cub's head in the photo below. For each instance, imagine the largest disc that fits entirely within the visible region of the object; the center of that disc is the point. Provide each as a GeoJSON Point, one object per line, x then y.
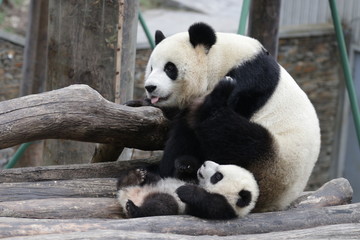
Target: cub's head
{"type": "Point", "coordinates": [236, 184]}
{"type": "Point", "coordinates": [176, 72]}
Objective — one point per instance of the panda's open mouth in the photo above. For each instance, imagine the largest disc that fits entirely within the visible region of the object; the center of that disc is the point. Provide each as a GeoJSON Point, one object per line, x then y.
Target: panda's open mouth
{"type": "Point", "coordinates": [156, 99]}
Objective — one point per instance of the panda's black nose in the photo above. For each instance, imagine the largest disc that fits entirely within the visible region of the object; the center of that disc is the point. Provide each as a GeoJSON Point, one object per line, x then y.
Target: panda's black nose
{"type": "Point", "coordinates": [150, 88]}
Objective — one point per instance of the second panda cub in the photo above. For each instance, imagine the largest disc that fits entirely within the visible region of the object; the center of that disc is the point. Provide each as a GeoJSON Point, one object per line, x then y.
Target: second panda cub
{"type": "Point", "coordinates": [224, 192]}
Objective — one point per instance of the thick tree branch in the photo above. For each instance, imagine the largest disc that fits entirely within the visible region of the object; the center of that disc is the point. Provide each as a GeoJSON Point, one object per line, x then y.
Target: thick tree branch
{"type": "Point", "coordinates": [80, 113]}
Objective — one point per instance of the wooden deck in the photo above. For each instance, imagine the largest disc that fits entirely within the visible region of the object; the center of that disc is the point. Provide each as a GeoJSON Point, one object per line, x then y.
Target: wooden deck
{"type": "Point", "coordinates": [78, 202]}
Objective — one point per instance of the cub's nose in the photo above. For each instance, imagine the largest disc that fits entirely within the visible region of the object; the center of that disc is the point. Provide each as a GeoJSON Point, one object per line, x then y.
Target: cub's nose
{"type": "Point", "coordinates": [150, 88]}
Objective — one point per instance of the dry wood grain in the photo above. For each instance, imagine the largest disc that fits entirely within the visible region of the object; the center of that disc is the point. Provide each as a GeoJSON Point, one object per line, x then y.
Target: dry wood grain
{"type": "Point", "coordinates": [62, 208]}
{"type": "Point", "coordinates": [74, 171]}
{"type": "Point", "coordinates": [78, 188]}
{"type": "Point", "coordinates": [80, 113]}
{"type": "Point", "coordinates": [340, 231]}
{"type": "Point", "coordinates": [260, 223]}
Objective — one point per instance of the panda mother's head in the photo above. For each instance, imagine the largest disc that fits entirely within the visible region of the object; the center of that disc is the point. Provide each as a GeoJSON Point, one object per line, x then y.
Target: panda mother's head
{"type": "Point", "coordinates": [174, 65]}
{"type": "Point", "coordinates": [236, 184]}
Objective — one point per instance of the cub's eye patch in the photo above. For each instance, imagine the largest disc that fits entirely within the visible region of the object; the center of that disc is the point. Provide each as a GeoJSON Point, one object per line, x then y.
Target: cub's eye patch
{"type": "Point", "coordinates": [171, 70]}
{"type": "Point", "coordinates": [216, 177]}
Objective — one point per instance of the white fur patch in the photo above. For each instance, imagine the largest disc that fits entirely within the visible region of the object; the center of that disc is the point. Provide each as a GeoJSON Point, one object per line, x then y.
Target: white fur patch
{"type": "Point", "coordinates": [137, 194]}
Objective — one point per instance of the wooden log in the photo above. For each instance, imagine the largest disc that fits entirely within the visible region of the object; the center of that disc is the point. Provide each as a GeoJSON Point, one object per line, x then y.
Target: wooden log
{"type": "Point", "coordinates": [258, 223]}
{"type": "Point", "coordinates": [79, 188]}
{"type": "Point", "coordinates": [340, 231]}
{"type": "Point", "coordinates": [57, 115]}
{"type": "Point", "coordinates": [335, 192]}
{"type": "Point", "coordinates": [264, 23]}
{"type": "Point", "coordinates": [12, 192]}
{"type": "Point", "coordinates": [62, 208]}
{"type": "Point", "coordinates": [78, 171]}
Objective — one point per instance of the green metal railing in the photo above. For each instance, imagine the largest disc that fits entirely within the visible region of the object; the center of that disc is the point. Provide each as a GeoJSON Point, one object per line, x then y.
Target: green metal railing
{"type": "Point", "coordinates": [346, 68]}
{"type": "Point", "coordinates": [243, 17]}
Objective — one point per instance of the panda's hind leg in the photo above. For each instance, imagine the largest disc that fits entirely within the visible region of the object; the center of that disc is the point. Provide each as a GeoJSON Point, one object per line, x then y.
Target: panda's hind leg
{"type": "Point", "coordinates": [156, 204]}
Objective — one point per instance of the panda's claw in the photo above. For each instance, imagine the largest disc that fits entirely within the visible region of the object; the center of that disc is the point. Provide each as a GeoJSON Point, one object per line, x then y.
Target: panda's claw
{"type": "Point", "coordinates": [141, 174]}
{"type": "Point", "coordinates": [130, 208]}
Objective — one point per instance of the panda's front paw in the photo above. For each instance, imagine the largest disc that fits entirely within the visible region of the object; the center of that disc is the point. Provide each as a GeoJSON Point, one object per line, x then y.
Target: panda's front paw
{"type": "Point", "coordinates": [190, 193]}
{"type": "Point", "coordinates": [131, 209]}
{"type": "Point", "coordinates": [186, 168]}
{"type": "Point", "coordinates": [215, 101]}
{"type": "Point", "coordinates": [223, 90]}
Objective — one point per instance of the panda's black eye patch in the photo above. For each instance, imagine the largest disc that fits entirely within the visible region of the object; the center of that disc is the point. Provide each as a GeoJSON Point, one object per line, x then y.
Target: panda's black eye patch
{"type": "Point", "coordinates": [216, 177]}
{"type": "Point", "coordinates": [171, 70]}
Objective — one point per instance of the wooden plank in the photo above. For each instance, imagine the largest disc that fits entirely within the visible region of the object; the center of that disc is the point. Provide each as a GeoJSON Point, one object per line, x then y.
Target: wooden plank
{"type": "Point", "coordinates": [62, 208]}
{"type": "Point", "coordinates": [78, 171]}
{"type": "Point", "coordinates": [340, 231]}
{"type": "Point", "coordinates": [259, 223]}
{"type": "Point", "coordinates": [57, 115]}
{"type": "Point", "coordinates": [79, 188]}
{"type": "Point", "coordinates": [264, 23]}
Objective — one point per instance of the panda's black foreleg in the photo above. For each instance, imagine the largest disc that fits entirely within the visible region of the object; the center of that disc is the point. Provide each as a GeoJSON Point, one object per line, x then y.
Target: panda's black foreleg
{"type": "Point", "coordinates": [200, 203]}
{"type": "Point", "coordinates": [182, 154]}
{"type": "Point", "coordinates": [226, 136]}
{"type": "Point", "coordinates": [229, 138]}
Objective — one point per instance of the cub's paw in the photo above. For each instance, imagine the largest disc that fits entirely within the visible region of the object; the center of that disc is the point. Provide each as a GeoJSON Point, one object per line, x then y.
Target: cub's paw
{"type": "Point", "coordinates": [130, 178]}
{"type": "Point", "coordinates": [186, 168]}
{"type": "Point", "coordinates": [214, 102]}
{"type": "Point", "coordinates": [222, 91]}
{"type": "Point", "coordinates": [188, 193]}
{"type": "Point", "coordinates": [131, 209]}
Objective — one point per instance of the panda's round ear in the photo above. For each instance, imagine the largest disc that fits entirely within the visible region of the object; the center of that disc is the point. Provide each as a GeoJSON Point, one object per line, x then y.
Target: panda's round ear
{"type": "Point", "coordinates": [159, 36]}
{"type": "Point", "coordinates": [244, 198]}
{"type": "Point", "coordinates": [201, 33]}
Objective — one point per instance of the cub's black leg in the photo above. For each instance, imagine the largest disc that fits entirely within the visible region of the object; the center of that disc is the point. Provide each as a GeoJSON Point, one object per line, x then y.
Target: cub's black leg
{"type": "Point", "coordinates": [182, 142]}
{"type": "Point", "coordinates": [137, 176]}
{"type": "Point", "coordinates": [156, 204]}
{"type": "Point", "coordinates": [203, 204]}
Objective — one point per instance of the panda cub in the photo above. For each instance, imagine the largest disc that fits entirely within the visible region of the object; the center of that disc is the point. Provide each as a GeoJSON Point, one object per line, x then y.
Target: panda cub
{"type": "Point", "coordinates": [224, 192]}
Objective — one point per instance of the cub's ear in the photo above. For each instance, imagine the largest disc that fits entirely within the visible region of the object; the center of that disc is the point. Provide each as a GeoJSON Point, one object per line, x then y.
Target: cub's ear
{"type": "Point", "coordinates": [159, 36]}
{"type": "Point", "coordinates": [201, 33]}
{"type": "Point", "coordinates": [244, 198]}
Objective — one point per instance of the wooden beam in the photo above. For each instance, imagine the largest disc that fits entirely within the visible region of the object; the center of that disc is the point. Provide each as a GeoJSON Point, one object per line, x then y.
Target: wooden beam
{"type": "Point", "coordinates": [66, 172]}
{"type": "Point", "coordinates": [57, 115]}
{"type": "Point", "coordinates": [264, 23]}
{"type": "Point", "coordinates": [259, 223]}
{"type": "Point", "coordinates": [340, 231]}
{"type": "Point", "coordinates": [79, 188]}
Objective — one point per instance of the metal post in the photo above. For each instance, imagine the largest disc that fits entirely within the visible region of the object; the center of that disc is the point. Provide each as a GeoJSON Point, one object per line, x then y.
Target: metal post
{"type": "Point", "coordinates": [346, 69]}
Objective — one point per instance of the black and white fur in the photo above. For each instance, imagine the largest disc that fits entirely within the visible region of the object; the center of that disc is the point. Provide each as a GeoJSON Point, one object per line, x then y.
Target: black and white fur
{"type": "Point", "coordinates": [224, 192]}
{"type": "Point", "coordinates": [235, 105]}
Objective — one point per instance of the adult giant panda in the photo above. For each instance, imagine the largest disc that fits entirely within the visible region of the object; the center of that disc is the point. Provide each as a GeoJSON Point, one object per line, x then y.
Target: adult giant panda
{"type": "Point", "coordinates": [224, 192]}
{"type": "Point", "coordinates": [237, 106]}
